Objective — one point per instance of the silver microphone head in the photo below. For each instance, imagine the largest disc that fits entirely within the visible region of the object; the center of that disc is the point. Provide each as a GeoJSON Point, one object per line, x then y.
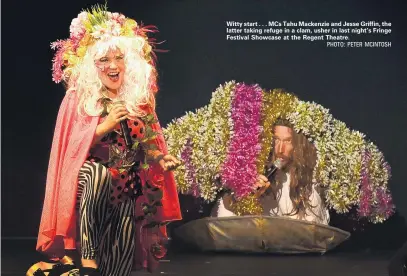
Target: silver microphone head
{"type": "Point", "coordinates": [271, 169]}
{"type": "Point", "coordinates": [278, 163]}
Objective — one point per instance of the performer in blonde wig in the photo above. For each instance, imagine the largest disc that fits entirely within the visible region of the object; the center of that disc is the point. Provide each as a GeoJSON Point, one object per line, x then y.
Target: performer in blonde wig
{"type": "Point", "coordinates": [109, 187]}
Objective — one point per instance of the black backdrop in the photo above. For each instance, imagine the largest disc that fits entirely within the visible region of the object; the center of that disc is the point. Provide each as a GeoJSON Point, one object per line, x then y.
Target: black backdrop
{"type": "Point", "coordinates": [366, 88]}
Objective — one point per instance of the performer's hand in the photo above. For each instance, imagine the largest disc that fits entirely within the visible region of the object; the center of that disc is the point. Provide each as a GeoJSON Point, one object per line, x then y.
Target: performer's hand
{"type": "Point", "coordinates": [261, 185]}
{"type": "Point", "coordinates": [117, 114]}
{"type": "Point", "coordinates": [169, 162]}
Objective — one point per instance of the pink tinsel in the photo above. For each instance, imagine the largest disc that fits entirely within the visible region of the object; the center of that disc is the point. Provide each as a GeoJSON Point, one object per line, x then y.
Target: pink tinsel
{"type": "Point", "coordinates": [385, 206]}
{"type": "Point", "coordinates": [190, 169]}
{"type": "Point", "coordinates": [239, 171]}
{"type": "Point", "coordinates": [75, 40]}
{"type": "Point", "coordinates": [58, 61]}
{"type": "Point", "coordinates": [366, 191]}
{"type": "Point", "coordinates": [142, 30]}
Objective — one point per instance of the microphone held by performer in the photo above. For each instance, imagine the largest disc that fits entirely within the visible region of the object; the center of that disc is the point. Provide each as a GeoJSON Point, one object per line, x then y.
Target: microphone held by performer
{"type": "Point", "coordinates": [126, 133]}
{"type": "Point", "coordinates": [272, 169]}
{"type": "Point", "coordinates": [270, 172]}
{"type": "Point", "coordinates": [125, 128]}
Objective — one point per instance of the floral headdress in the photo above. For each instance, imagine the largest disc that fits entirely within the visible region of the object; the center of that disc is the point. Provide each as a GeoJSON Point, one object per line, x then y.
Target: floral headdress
{"type": "Point", "coordinates": [231, 138]}
{"type": "Point", "coordinates": [89, 27]}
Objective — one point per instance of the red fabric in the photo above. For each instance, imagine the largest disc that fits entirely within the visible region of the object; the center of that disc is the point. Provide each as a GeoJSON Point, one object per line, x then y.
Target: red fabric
{"type": "Point", "coordinates": [70, 147]}
{"type": "Point", "coordinates": [171, 209]}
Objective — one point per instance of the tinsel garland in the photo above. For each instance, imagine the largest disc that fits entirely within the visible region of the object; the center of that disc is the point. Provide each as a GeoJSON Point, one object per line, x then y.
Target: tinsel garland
{"type": "Point", "coordinates": [190, 171]}
{"type": "Point", "coordinates": [239, 170]}
{"type": "Point", "coordinates": [340, 154]}
{"type": "Point", "coordinates": [183, 130]}
{"type": "Point", "coordinates": [342, 150]}
{"type": "Point", "coordinates": [384, 208]}
{"type": "Point", "coordinates": [379, 174]}
{"type": "Point", "coordinates": [210, 147]}
{"type": "Point", "coordinates": [366, 193]}
{"type": "Point", "coordinates": [206, 131]}
{"type": "Point", "coordinates": [275, 104]}
{"type": "Point", "coordinates": [247, 205]}
{"type": "Point", "coordinates": [375, 202]}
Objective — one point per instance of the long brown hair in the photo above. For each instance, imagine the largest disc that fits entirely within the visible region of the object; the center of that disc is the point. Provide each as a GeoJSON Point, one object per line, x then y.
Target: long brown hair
{"type": "Point", "coordinates": [300, 168]}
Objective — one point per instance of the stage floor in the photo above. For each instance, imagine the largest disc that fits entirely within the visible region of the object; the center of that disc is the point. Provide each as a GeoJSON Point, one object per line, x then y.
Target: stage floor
{"type": "Point", "coordinates": [18, 255]}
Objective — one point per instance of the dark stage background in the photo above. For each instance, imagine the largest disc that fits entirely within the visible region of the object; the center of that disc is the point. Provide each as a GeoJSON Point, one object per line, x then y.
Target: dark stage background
{"type": "Point", "coordinates": [366, 88]}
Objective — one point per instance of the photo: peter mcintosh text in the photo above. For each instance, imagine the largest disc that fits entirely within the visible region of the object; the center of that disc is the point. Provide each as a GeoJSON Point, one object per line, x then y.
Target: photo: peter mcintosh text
{"type": "Point", "coordinates": [359, 44]}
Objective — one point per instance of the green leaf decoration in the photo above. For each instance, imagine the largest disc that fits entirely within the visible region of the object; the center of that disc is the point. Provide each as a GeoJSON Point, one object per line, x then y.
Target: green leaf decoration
{"type": "Point", "coordinates": [97, 15]}
{"type": "Point", "coordinates": [136, 143]}
{"type": "Point", "coordinates": [148, 118]}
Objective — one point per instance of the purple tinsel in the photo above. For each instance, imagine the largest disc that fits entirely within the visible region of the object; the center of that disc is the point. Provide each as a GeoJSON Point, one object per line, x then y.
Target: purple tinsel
{"type": "Point", "coordinates": [366, 191]}
{"type": "Point", "coordinates": [239, 171]}
{"type": "Point", "coordinates": [385, 205]}
{"type": "Point", "coordinates": [190, 173]}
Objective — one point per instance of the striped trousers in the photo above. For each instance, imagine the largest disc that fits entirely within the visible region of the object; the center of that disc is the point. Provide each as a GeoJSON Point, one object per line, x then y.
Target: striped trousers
{"type": "Point", "coordinates": [107, 231]}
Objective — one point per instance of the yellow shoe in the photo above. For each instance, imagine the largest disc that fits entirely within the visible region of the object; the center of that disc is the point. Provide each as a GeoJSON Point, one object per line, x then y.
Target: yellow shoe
{"type": "Point", "coordinates": [52, 269]}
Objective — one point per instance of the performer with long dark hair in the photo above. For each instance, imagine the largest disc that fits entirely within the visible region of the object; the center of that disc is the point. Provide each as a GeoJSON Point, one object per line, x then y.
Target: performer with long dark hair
{"type": "Point", "coordinates": [290, 192]}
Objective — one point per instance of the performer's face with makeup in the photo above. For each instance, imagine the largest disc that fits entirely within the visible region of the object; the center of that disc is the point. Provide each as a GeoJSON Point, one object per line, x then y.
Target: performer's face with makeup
{"type": "Point", "coordinates": [111, 69]}
{"type": "Point", "coordinates": [283, 146]}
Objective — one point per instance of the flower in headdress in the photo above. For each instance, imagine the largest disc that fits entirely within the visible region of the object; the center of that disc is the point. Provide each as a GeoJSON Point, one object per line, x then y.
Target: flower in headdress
{"type": "Point", "coordinates": [119, 18]}
{"type": "Point", "coordinates": [106, 31]}
{"type": "Point", "coordinates": [77, 28]}
{"type": "Point", "coordinates": [89, 27]}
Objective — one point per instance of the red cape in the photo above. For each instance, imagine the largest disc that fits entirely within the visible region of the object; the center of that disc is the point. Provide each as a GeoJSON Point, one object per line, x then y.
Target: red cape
{"type": "Point", "coordinates": [70, 147]}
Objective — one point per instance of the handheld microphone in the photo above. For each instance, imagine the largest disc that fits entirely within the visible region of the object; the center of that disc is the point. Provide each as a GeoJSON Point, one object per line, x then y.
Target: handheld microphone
{"type": "Point", "coordinates": [125, 128]}
{"type": "Point", "coordinates": [271, 170]}
{"type": "Point", "coordinates": [126, 133]}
